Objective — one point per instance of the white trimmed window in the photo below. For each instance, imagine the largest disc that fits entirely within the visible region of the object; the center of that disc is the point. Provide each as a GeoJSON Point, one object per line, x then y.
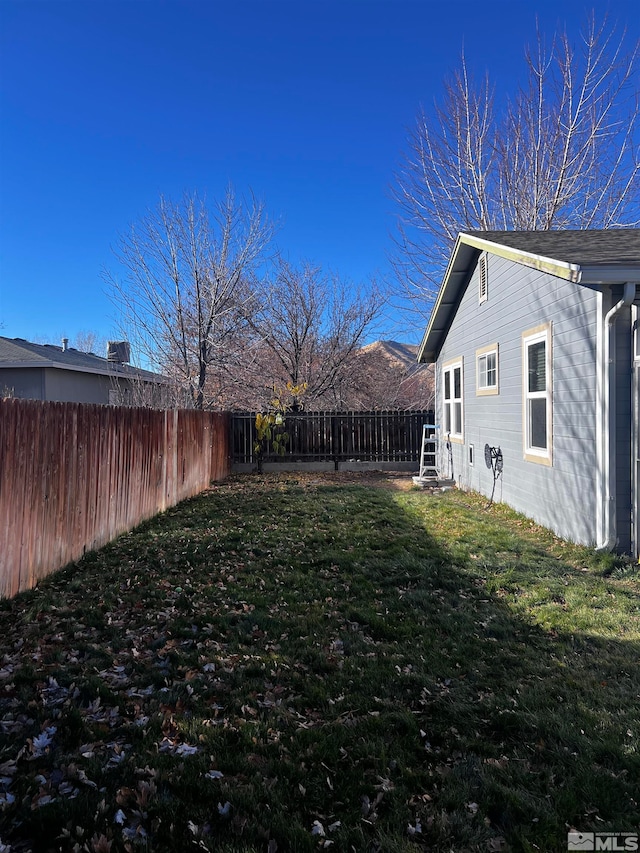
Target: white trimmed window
{"type": "Point", "coordinates": [537, 394]}
{"type": "Point", "coordinates": [487, 370]}
{"type": "Point", "coordinates": [483, 278]}
{"type": "Point", "coordinates": [452, 395]}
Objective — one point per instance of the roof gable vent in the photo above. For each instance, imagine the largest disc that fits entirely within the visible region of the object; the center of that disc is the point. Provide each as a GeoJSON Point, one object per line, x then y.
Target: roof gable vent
{"type": "Point", "coordinates": [118, 352]}
{"type": "Point", "coordinates": [483, 276]}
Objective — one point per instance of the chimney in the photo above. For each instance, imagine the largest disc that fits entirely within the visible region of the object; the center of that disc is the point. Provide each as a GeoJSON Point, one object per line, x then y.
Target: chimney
{"type": "Point", "coordinates": [118, 352]}
{"type": "Point", "coordinates": [65, 344]}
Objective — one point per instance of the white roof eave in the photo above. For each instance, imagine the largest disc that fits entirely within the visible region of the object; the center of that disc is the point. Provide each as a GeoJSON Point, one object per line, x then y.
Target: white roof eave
{"type": "Point", "coordinates": [458, 272]}
{"type": "Point", "coordinates": [561, 269]}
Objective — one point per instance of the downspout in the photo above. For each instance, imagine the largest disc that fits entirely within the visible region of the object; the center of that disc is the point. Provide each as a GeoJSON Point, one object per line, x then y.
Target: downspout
{"type": "Point", "coordinates": [607, 535]}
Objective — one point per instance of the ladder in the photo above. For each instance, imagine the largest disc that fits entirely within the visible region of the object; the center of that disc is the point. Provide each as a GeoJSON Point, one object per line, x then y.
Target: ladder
{"type": "Point", "coordinates": [429, 452]}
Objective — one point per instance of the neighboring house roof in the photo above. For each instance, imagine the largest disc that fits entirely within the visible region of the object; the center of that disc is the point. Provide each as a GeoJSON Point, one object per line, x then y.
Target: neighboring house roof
{"type": "Point", "coordinates": [18, 353]}
{"type": "Point", "coordinates": [584, 257]}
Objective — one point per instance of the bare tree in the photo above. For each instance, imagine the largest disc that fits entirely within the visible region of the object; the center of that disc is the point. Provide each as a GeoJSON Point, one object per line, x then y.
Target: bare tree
{"type": "Point", "coordinates": [187, 276]}
{"type": "Point", "coordinates": [308, 326]}
{"type": "Point", "coordinates": [562, 153]}
{"type": "Point", "coordinates": [87, 340]}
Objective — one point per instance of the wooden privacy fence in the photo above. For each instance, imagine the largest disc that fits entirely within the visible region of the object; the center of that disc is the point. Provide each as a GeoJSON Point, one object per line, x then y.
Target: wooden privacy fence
{"type": "Point", "coordinates": [74, 476]}
{"type": "Point", "coordinates": [337, 437]}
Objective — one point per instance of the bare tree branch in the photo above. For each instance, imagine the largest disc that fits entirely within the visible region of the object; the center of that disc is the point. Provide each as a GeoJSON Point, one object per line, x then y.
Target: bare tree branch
{"type": "Point", "coordinates": [562, 153]}
{"type": "Point", "coordinates": [187, 274]}
{"type": "Point", "coordinates": [309, 326]}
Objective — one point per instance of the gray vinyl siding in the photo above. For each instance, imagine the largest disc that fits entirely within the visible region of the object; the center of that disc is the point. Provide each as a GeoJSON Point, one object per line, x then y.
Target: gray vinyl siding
{"type": "Point", "coordinates": [561, 496]}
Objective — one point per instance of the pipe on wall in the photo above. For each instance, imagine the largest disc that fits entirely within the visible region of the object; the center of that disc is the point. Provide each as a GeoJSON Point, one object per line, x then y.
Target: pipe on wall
{"type": "Point", "coordinates": [607, 534]}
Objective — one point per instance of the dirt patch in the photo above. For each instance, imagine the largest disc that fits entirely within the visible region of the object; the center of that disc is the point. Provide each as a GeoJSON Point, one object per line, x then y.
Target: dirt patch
{"type": "Point", "coordinates": [393, 480]}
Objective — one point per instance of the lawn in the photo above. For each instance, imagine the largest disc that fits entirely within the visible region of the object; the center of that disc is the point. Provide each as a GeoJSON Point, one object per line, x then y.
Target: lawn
{"type": "Point", "coordinates": [299, 662]}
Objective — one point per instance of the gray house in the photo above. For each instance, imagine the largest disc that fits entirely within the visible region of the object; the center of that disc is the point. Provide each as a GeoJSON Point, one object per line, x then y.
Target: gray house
{"type": "Point", "coordinates": [63, 374]}
{"type": "Point", "coordinates": [537, 351]}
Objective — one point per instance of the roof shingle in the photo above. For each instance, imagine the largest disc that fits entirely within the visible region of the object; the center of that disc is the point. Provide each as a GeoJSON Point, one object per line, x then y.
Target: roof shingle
{"type": "Point", "coordinates": [620, 246]}
{"type": "Point", "coordinates": [16, 352]}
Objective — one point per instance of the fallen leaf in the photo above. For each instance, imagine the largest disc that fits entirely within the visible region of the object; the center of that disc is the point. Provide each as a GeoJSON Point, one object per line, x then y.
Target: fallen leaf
{"type": "Point", "coordinates": [416, 829]}
{"type": "Point", "coordinates": [100, 844]}
{"type": "Point", "coordinates": [214, 774]}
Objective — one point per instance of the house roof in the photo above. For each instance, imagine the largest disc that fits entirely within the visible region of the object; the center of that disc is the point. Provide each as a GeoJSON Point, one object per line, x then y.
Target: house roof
{"type": "Point", "coordinates": [584, 257]}
{"type": "Point", "coordinates": [18, 353]}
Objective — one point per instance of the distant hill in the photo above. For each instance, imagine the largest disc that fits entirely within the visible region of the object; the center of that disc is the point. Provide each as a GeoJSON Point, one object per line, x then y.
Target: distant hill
{"type": "Point", "coordinates": [399, 355]}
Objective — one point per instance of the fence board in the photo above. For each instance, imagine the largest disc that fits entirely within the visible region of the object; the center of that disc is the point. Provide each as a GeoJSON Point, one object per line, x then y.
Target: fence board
{"type": "Point", "coordinates": [74, 476]}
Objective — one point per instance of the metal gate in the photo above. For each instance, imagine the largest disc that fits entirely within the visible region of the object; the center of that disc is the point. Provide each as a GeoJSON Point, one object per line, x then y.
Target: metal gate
{"type": "Point", "coordinates": [337, 437]}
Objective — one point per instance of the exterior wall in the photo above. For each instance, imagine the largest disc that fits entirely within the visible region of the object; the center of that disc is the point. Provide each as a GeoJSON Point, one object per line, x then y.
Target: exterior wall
{"type": "Point", "coordinates": [560, 496]}
{"type": "Point", "coordinates": [22, 383]}
{"type": "Point", "coordinates": [69, 386]}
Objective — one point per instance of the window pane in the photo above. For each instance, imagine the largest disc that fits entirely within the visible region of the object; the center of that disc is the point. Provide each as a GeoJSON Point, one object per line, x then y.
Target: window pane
{"type": "Point", "coordinates": [458, 419]}
{"type": "Point", "coordinates": [491, 370]}
{"type": "Point", "coordinates": [447, 417]}
{"type": "Point", "coordinates": [482, 371]}
{"type": "Point", "coordinates": [537, 366]}
{"type": "Point", "coordinates": [447, 385]}
{"type": "Point", "coordinates": [538, 423]}
{"type": "Point", "coordinates": [457, 384]}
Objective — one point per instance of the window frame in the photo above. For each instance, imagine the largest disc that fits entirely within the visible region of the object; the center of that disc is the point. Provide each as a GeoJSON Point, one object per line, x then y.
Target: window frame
{"type": "Point", "coordinates": [532, 453]}
{"type": "Point", "coordinates": [449, 403]}
{"type": "Point", "coordinates": [487, 390]}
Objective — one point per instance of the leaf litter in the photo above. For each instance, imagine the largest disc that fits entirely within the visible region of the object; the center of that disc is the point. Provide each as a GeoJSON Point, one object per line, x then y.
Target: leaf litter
{"type": "Point", "coordinates": [294, 659]}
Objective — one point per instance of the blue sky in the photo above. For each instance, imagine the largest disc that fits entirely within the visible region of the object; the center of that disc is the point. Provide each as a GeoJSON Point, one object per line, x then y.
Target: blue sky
{"type": "Point", "coordinates": [105, 105]}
